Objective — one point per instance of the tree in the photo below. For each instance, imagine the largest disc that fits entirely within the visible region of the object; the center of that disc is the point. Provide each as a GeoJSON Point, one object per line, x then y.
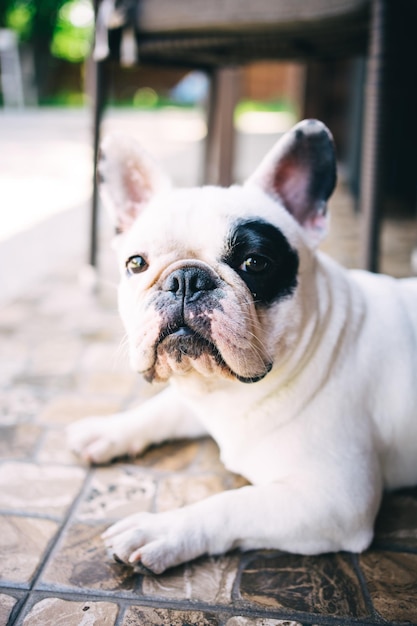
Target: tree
{"type": "Point", "coordinates": [48, 28]}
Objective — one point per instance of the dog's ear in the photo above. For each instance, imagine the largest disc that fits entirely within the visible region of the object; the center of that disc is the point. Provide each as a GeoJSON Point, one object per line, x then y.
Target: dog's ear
{"type": "Point", "coordinates": [128, 178]}
{"type": "Point", "coordinates": [300, 171]}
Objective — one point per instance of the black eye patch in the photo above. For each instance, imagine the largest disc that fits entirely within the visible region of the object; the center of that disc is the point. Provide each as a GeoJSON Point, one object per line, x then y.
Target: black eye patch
{"type": "Point", "coordinates": [261, 255]}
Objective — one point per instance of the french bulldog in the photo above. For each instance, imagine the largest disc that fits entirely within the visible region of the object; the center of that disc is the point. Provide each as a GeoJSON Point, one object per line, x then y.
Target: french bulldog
{"type": "Point", "coordinates": [304, 373]}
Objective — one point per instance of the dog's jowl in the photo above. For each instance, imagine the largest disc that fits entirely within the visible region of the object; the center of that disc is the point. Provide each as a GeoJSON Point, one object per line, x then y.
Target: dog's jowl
{"type": "Point", "coordinates": [311, 370]}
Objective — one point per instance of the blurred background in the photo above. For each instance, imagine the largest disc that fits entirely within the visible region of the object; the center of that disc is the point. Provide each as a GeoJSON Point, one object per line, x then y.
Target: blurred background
{"type": "Point", "coordinates": [47, 88]}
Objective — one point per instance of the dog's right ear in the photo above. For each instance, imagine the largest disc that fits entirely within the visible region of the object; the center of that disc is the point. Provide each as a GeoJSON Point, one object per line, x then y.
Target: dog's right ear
{"type": "Point", "coordinates": [300, 171]}
{"type": "Point", "coordinates": [128, 178]}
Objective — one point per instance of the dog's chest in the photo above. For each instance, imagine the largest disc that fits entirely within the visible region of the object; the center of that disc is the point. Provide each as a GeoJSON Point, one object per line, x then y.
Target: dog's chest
{"type": "Point", "coordinates": [254, 433]}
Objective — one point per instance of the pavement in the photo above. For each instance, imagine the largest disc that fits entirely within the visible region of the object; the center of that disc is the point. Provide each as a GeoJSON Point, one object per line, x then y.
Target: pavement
{"type": "Point", "coordinates": [63, 357]}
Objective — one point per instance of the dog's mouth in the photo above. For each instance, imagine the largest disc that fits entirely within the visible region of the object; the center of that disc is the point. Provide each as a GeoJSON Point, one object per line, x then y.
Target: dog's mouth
{"type": "Point", "coordinates": [182, 343]}
{"type": "Point", "coordinates": [182, 331]}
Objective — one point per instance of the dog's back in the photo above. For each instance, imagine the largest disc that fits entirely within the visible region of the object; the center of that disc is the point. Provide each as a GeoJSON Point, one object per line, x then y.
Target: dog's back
{"type": "Point", "coordinates": [388, 350]}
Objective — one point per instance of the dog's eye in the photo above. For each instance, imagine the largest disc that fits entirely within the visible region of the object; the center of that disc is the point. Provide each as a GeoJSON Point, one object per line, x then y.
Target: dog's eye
{"type": "Point", "coordinates": [255, 264]}
{"type": "Point", "coordinates": [136, 264]}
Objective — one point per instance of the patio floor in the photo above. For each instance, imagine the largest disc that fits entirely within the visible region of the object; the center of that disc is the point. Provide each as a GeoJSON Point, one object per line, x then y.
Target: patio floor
{"type": "Point", "coordinates": [61, 360]}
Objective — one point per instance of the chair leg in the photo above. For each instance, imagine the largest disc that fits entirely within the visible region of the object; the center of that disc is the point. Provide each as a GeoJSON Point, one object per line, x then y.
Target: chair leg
{"type": "Point", "coordinates": [372, 163]}
{"type": "Point", "coordinates": [224, 96]}
{"type": "Point", "coordinates": [99, 101]}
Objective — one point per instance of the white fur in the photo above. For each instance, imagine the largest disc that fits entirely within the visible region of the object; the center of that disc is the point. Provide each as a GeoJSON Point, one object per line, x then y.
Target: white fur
{"type": "Point", "coordinates": [319, 437]}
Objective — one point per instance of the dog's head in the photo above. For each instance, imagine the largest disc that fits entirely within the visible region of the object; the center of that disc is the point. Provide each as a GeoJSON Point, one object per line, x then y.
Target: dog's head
{"type": "Point", "coordinates": [212, 278]}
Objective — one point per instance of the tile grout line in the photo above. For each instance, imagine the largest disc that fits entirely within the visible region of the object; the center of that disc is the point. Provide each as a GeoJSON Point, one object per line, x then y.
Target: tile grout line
{"type": "Point", "coordinates": [18, 610]}
{"type": "Point", "coordinates": [229, 611]}
{"type": "Point", "coordinates": [54, 542]}
{"type": "Point", "coordinates": [65, 523]}
{"type": "Point", "coordinates": [121, 614]}
{"type": "Point", "coordinates": [124, 602]}
{"type": "Point", "coordinates": [29, 514]}
{"type": "Point", "coordinates": [354, 559]}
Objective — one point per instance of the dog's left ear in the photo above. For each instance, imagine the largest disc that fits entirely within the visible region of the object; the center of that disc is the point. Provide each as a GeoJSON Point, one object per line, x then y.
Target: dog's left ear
{"type": "Point", "coordinates": [300, 171]}
{"type": "Point", "coordinates": [128, 178]}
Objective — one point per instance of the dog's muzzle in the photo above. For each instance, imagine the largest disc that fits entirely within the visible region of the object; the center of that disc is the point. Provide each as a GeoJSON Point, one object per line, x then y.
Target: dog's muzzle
{"type": "Point", "coordinates": [189, 297]}
{"type": "Point", "coordinates": [202, 326]}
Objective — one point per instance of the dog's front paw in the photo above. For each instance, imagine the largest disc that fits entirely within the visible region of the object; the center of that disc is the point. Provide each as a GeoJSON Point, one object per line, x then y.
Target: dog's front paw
{"type": "Point", "coordinates": [100, 439]}
{"type": "Point", "coordinates": [156, 541]}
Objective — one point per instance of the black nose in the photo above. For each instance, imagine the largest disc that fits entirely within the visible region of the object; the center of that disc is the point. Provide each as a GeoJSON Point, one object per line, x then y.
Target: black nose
{"type": "Point", "coordinates": [189, 282]}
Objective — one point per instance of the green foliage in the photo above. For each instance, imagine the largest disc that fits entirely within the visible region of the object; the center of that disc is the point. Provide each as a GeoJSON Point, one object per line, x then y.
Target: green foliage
{"type": "Point", "coordinates": [255, 106]}
{"type": "Point", "coordinates": [72, 99]}
{"type": "Point", "coordinates": [65, 25]}
{"type": "Point", "coordinates": [73, 31]}
{"type": "Point", "coordinates": [19, 17]}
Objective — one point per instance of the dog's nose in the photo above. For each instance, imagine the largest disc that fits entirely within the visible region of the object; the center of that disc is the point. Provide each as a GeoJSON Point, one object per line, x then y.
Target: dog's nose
{"type": "Point", "coordinates": [189, 282]}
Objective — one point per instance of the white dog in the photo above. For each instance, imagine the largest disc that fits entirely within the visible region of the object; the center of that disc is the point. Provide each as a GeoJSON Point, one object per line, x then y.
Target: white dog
{"type": "Point", "coordinates": [304, 373]}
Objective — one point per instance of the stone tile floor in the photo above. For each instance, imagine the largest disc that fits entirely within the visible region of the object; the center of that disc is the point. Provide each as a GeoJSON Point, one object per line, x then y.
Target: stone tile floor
{"type": "Point", "coordinates": [62, 358]}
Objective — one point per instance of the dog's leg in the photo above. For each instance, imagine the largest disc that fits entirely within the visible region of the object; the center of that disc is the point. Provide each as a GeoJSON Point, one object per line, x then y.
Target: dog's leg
{"type": "Point", "coordinates": [296, 518]}
{"type": "Point", "coordinates": [163, 417]}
